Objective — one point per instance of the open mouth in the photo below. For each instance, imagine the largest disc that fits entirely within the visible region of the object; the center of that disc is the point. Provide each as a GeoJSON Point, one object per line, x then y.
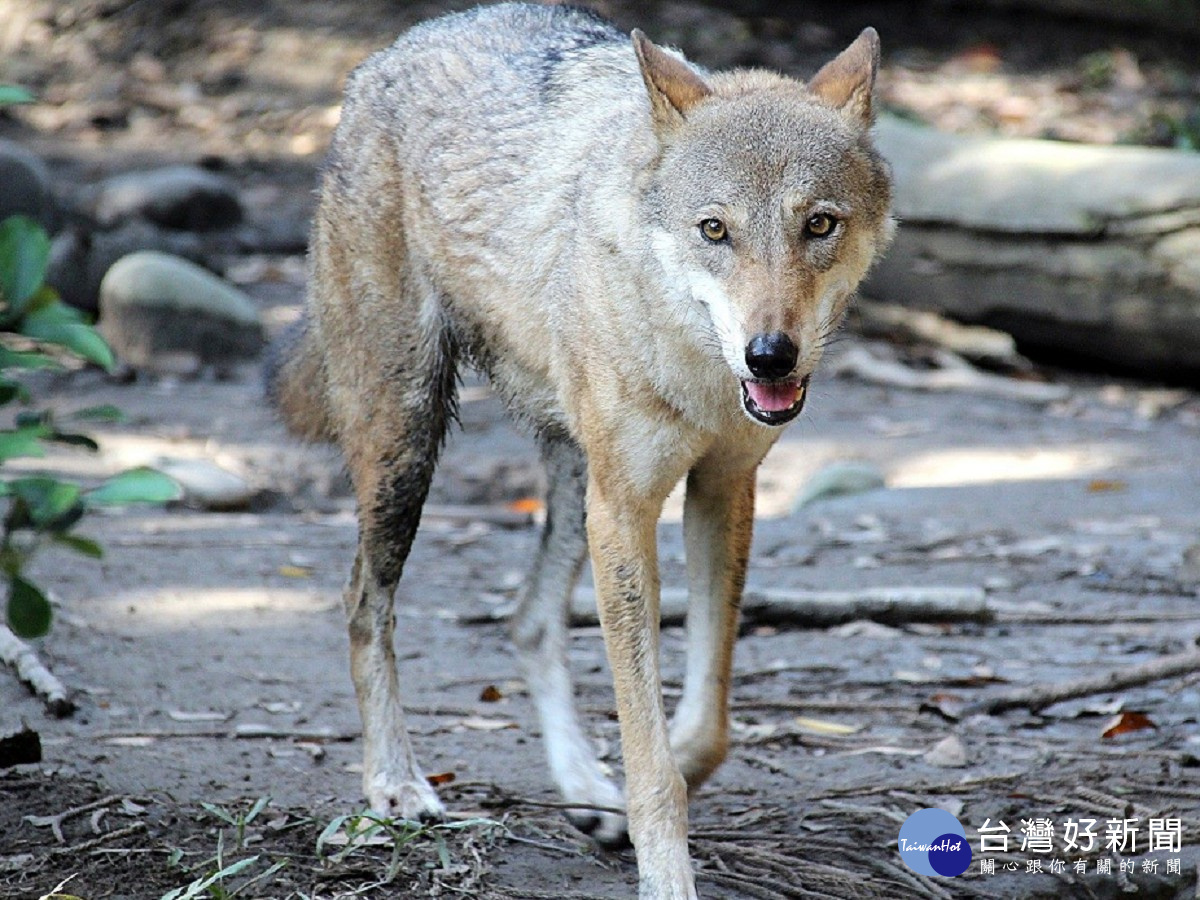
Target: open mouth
{"type": "Point", "coordinates": [774, 402]}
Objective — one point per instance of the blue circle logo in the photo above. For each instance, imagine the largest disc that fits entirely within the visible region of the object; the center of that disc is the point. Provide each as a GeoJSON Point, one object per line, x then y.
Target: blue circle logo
{"type": "Point", "coordinates": [932, 842]}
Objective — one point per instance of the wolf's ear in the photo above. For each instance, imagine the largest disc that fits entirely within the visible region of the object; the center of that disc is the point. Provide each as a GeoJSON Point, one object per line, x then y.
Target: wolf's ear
{"type": "Point", "coordinates": [846, 81]}
{"type": "Point", "coordinates": [673, 85]}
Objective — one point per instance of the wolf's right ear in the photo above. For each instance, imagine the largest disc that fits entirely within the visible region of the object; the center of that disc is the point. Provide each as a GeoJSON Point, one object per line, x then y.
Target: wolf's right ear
{"type": "Point", "coordinates": [674, 86]}
{"type": "Point", "coordinates": [846, 82]}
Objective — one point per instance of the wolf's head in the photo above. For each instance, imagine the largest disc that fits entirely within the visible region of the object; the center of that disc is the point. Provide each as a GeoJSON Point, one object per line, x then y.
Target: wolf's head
{"type": "Point", "coordinates": [769, 205]}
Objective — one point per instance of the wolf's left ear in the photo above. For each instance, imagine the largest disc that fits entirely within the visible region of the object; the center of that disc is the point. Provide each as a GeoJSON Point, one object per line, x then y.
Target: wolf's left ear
{"type": "Point", "coordinates": [846, 81]}
{"type": "Point", "coordinates": [673, 85]}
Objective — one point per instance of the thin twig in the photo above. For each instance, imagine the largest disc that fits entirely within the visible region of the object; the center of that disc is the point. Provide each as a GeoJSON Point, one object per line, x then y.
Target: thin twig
{"type": "Point", "coordinates": [507, 800]}
{"type": "Point", "coordinates": [746, 887]}
{"type": "Point", "coordinates": [55, 821]}
{"type": "Point", "coordinates": [336, 737]}
{"type": "Point", "coordinates": [1039, 696]}
{"type": "Point", "coordinates": [102, 839]}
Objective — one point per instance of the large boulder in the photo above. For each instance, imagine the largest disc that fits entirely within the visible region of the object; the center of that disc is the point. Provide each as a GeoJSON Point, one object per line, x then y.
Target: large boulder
{"type": "Point", "coordinates": [25, 186]}
{"type": "Point", "coordinates": [1092, 252]}
{"type": "Point", "coordinates": [80, 257]}
{"type": "Point", "coordinates": [182, 197]}
{"type": "Point", "coordinates": [156, 309]}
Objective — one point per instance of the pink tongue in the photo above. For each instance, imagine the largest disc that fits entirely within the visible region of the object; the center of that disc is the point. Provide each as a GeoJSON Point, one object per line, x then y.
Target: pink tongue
{"type": "Point", "coordinates": [773, 397]}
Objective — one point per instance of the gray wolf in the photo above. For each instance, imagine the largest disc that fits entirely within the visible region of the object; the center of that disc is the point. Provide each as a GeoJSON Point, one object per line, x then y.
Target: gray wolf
{"type": "Point", "coordinates": [646, 259]}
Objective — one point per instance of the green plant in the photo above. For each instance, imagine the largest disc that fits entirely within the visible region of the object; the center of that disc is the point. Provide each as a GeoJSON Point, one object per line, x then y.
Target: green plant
{"type": "Point", "coordinates": [37, 332]}
{"type": "Point", "coordinates": [212, 883]}
{"type": "Point", "coordinates": [10, 93]}
{"type": "Point", "coordinates": [239, 820]}
{"type": "Point", "coordinates": [359, 831]}
{"type": "Point", "coordinates": [57, 894]}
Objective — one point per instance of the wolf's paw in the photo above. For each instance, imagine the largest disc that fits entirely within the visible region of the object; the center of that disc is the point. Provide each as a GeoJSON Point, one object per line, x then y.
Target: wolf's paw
{"type": "Point", "coordinates": [412, 799]}
{"type": "Point", "coordinates": [608, 829]}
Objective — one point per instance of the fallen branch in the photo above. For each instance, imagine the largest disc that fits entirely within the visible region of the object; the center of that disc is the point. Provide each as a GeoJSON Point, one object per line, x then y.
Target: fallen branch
{"type": "Point", "coordinates": [953, 374]}
{"type": "Point", "coordinates": [153, 734]}
{"type": "Point", "coordinates": [1039, 696]}
{"type": "Point", "coordinates": [504, 801]}
{"type": "Point", "coordinates": [104, 838]}
{"type": "Point", "coordinates": [20, 656]}
{"type": "Point", "coordinates": [255, 732]}
{"type": "Point", "coordinates": [54, 822]}
{"type": "Point", "coordinates": [822, 609]}
{"type": "Point", "coordinates": [889, 321]}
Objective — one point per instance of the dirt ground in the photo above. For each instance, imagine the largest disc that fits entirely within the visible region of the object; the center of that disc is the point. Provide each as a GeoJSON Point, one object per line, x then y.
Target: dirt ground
{"type": "Point", "coordinates": [208, 651]}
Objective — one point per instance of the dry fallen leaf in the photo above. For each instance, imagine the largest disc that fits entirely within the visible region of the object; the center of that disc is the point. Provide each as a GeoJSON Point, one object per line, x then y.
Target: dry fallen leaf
{"type": "Point", "coordinates": [479, 723]}
{"type": "Point", "coordinates": [440, 778]}
{"type": "Point", "coordinates": [981, 59]}
{"type": "Point", "coordinates": [822, 726]}
{"type": "Point", "coordinates": [134, 740]}
{"type": "Point", "coordinates": [207, 715]}
{"type": "Point", "coordinates": [491, 694]}
{"type": "Point", "coordinates": [295, 571]}
{"type": "Point", "coordinates": [281, 707]}
{"type": "Point", "coordinates": [1105, 485]}
{"type": "Point", "coordinates": [1126, 722]}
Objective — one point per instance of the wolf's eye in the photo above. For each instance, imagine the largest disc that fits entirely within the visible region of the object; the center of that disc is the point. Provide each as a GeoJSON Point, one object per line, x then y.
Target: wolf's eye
{"type": "Point", "coordinates": [713, 230]}
{"type": "Point", "coordinates": [820, 225]}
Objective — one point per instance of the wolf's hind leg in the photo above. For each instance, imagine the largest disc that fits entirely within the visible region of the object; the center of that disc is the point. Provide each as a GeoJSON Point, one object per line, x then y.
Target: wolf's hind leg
{"type": "Point", "coordinates": [539, 630]}
{"type": "Point", "coordinates": [391, 449]}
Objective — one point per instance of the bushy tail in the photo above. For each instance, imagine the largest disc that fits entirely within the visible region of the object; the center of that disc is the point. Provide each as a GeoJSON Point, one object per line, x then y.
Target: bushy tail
{"type": "Point", "coordinates": [294, 381]}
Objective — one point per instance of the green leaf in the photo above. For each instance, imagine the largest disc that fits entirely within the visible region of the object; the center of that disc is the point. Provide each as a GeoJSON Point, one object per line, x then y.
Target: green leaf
{"type": "Point", "coordinates": [331, 829]}
{"type": "Point", "coordinates": [49, 500]}
{"type": "Point", "coordinates": [53, 325]}
{"type": "Point", "coordinates": [25, 359]}
{"type": "Point", "coordinates": [259, 805]}
{"type": "Point", "coordinates": [28, 609]}
{"type": "Point", "coordinates": [81, 545]}
{"type": "Point", "coordinates": [141, 485]}
{"type": "Point", "coordinates": [46, 297]}
{"type": "Point", "coordinates": [103, 413]}
{"type": "Point", "coordinates": [23, 442]}
{"type": "Point", "coordinates": [220, 812]}
{"type": "Point", "coordinates": [10, 93]}
{"type": "Point", "coordinates": [201, 885]}
{"type": "Point", "coordinates": [24, 252]}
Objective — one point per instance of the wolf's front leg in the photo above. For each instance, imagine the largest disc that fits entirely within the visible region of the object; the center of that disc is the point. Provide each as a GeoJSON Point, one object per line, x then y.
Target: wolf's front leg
{"type": "Point", "coordinates": [621, 532]}
{"type": "Point", "coordinates": [718, 517]}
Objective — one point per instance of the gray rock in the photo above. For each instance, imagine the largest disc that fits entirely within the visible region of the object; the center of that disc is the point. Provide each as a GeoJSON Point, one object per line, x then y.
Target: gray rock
{"type": "Point", "coordinates": [181, 197]}
{"type": "Point", "coordinates": [1072, 249]}
{"type": "Point", "coordinates": [206, 485]}
{"type": "Point", "coordinates": [156, 306]}
{"type": "Point", "coordinates": [26, 190]}
{"type": "Point", "coordinates": [839, 480]}
{"type": "Point", "coordinates": [948, 753]}
{"type": "Point", "coordinates": [80, 258]}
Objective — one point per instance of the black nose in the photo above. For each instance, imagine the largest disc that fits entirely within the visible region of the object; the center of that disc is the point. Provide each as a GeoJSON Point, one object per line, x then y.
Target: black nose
{"type": "Point", "coordinates": [771, 355]}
